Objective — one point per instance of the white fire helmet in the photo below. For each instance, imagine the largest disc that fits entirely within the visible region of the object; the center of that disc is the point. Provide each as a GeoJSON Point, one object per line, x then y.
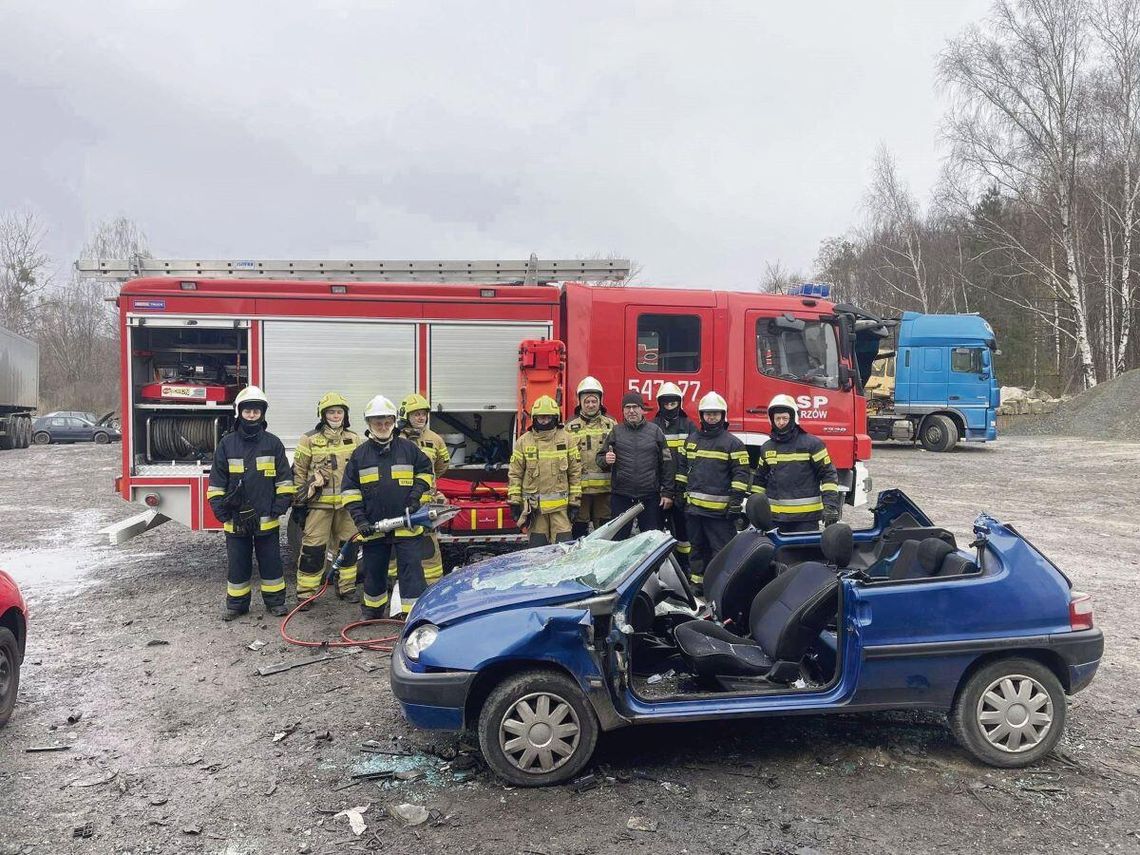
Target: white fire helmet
{"type": "Point", "coordinates": [250, 396]}
{"type": "Point", "coordinates": [669, 390]}
{"type": "Point", "coordinates": [712, 401]}
{"type": "Point", "coordinates": [784, 402]}
{"type": "Point", "coordinates": [589, 384]}
{"type": "Point", "coordinates": [380, 406]}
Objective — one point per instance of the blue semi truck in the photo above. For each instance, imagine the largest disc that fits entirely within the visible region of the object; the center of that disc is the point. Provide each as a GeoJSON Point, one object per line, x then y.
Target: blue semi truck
{"type": "Point", "coordinates": [929, 378]}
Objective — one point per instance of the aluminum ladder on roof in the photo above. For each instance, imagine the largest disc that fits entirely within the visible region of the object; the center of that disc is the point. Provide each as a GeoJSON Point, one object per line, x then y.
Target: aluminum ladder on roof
{"type": "Point", "coordinates": [530, 272]}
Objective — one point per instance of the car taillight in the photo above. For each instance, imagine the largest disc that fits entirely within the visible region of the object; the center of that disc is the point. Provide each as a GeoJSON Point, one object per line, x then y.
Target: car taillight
{"type": "Point", "coordinates": [1080, 611]}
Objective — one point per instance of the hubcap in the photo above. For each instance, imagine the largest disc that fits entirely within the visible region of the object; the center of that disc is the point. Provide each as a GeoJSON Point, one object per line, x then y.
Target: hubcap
{"type": "Point", "coordinates": [539, 733]}
{"type": "Point", "coordinates": [1015, 713]}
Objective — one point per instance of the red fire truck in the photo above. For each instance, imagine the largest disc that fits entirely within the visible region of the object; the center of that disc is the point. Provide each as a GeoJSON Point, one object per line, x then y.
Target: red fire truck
{"type": "Point", "coordinates": [480, 339]}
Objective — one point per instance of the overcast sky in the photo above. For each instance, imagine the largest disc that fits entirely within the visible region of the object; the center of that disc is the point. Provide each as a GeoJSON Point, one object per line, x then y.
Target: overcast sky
{"type": "Point", "coordinates": [702, 139]}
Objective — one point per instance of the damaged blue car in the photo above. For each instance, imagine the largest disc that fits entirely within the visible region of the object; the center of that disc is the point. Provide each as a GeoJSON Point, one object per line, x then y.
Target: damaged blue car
{"type": "Point", "coordinates": [538, 651]}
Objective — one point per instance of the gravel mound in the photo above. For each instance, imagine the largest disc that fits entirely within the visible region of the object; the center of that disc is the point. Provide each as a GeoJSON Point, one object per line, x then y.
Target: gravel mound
{"type": "Point", "coordinates": [1108, 411]}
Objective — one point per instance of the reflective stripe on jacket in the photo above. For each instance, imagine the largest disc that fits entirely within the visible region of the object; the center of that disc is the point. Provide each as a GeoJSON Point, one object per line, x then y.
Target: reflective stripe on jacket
{"type": "Point", "coordinates": [714, 472]}
{"type": "Point", "coordinates": [383, 481]}
{"type": "Point", "coordinates": [590, 434]}
{"type": "Point", "coordinates": [545, 470]}
{"type": "Point", "coordinates": [327, 451]}
{"type": "Point", "coordinates": [259, 463]}
{"type": "Point", "coordinates": [676, 432]}
{"type": "Point", "coordinates": [798, 476]}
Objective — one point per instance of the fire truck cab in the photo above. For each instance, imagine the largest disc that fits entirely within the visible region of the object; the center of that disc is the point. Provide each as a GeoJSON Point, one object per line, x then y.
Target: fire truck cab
{"type": "Point", "coordinates": [466, 335]}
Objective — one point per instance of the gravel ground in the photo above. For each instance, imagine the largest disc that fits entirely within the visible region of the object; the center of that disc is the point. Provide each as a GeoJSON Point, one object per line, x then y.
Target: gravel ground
{"type": "Point", "coordinates": [1109, 411]}
{"type": "Point", "coordinates": [174, 745]}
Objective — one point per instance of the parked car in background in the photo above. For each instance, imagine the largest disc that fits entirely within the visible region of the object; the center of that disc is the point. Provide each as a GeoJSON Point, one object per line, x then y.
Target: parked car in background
{"type": "Point", "coordinates": [64, 428]}
{"type": "Point", "coordinates": [13, 636]}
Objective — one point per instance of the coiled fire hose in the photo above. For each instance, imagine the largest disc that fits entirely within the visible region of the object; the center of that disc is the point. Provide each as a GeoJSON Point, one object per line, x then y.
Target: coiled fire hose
{"type": "Point", "coordinates": [431, 516]}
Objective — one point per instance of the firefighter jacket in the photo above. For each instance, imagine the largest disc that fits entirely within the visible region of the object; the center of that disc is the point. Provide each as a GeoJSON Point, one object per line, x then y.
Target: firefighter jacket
{"type": "Point", "coordinates": [385, 481]}
{"type": "Point", "coordinates": [796, 473]}
{"type": "Point", "coordinates": [257, 462]}
{"type": "Point", "coordinates": [432, 444]}
{"type": "Point", "coordinates": [714, 472]}
{"type": "Point", "coordinates": [676, 430]}
{"type": "Point", "coordinates": [644, 464]}
{"type": "Point", "coordinates": [324, 450]}
{"type": "Point", "coordinates": [545, 471]}
{"type": "Point", "coordinates": [590, 434]}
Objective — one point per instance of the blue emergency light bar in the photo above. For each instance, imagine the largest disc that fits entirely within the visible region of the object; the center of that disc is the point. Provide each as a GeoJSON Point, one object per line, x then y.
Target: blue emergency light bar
{"type": "Point", "coordinates": [810, 289]}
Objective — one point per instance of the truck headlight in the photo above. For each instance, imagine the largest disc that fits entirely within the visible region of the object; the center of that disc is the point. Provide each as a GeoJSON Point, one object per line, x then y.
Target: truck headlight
{"type": "Point", "coordinates": [420, 639]}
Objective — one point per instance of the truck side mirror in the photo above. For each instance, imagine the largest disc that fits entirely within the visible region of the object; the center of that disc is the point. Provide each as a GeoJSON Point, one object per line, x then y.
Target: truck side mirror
{"type": "Point", "coordinates": [844, 378]}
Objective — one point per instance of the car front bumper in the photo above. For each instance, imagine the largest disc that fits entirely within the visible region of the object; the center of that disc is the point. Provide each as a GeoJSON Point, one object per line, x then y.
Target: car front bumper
{"type": "Point", "coordinates": [432, 700]}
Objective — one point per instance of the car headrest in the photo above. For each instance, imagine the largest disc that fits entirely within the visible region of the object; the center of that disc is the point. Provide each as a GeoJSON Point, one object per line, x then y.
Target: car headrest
{"type": "Point", "coordinates": [759, 512]}
{"type": "Point", "coordinates": [931, 552]}
{"type": "Point", "coordinates": [837, 544]}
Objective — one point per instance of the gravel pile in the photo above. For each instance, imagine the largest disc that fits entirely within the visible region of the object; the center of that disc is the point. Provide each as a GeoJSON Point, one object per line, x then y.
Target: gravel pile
{"type": "Point", "coordinates": [1108, 411]}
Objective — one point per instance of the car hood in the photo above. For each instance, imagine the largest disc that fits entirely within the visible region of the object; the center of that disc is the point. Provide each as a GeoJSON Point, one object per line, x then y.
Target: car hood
{"type": "Point", "coordinates": [494, 584]}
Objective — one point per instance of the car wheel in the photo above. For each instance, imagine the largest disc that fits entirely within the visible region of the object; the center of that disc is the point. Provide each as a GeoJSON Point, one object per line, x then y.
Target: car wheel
{"type": "Point", "coordinates": [1010, 713]}
{"type": "Point", "coordinates": [9, 673]}
{"type": "Point", "coordinates": [939, 433]}
{"type": "Point", "coordinates": [101, 439]}
{"type": "Point", "coordinates": [42, 438]}
{"type": "Point", "coordinates": [537, 728]}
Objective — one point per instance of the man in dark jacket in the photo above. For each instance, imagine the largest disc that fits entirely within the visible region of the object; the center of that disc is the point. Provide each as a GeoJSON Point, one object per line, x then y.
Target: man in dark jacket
{"type": "Point", "coordinates": [385, 478]}
{"type": "Point", "coordinates": [714, 473]}
{"type": "Point", "coordinates": [251, 486]}
{"type": "Point", "coordinates": [640, 465]}
{"type": "Point", "coordinates": [796, 472]}
{"type": "Point", "coordinates": [676, 425]}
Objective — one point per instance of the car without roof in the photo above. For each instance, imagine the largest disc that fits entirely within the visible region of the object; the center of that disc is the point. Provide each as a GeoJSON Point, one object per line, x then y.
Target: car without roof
{"type": "Point", "coordinates": [540, 650]}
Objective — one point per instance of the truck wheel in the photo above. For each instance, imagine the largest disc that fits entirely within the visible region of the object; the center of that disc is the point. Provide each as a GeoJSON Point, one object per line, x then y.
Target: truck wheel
{"type": "Point", "coordinates": [26, 432]}
{"type": "Point", "coordinates": [41, 438]}
{"type": "Point", "coordinates": [9, 673]}
{"type": "Point", "coordinates": [938, 433]}
{"type": "Point", "coordinates": [8, 440]}
{"type": "Point", "coordinates": [537, 728]}
{"type": "Point", "coordinates": [1010, 713]}
{"type": "Point", "coordinates": [102, 439]}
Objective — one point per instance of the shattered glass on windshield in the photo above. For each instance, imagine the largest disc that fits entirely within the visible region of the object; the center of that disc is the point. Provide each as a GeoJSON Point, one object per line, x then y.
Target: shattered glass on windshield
{"type": "Point", "coordinates": [597, 564]}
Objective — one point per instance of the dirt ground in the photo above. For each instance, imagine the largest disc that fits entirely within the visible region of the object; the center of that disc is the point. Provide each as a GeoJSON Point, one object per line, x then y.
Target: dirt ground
{"type": "Point", "coordinates": [175, 745]}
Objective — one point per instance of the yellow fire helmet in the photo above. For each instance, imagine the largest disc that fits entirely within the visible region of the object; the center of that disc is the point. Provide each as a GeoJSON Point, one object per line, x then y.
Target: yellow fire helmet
{"type": "Point", "coordinates": [413, 402]}
{"type": "Point", "coordinates": [545, 406]}
{"type": "Point", "coordinates": [331, 399]}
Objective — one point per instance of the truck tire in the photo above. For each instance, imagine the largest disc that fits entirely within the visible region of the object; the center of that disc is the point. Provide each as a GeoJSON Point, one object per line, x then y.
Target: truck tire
{"type": "Point", "coordinates": [8, 440]}
{"type": "Point", "coordinates": [938, 433]}
{"type": "Point", "coordinates": [1010, 713]}
{"type": "Point", "coordinates": [25, 432]}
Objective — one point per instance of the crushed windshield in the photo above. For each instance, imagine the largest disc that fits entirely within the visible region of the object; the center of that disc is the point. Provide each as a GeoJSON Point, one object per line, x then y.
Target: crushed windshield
{"type": "Point", "coordinates": [597, 564]}
{"type": "Point", "coordinates": [809, 355]}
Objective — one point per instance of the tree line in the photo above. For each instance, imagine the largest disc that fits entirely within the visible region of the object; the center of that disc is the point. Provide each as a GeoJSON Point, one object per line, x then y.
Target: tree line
{"type": "Point", "coordinates": [69, 316]}
{"type": "Point", "coordinates": [1034, 221]}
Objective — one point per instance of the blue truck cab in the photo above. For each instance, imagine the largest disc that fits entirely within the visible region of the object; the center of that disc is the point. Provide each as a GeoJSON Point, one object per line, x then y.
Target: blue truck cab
{"type": "Point", "coordinates": [931, 379]}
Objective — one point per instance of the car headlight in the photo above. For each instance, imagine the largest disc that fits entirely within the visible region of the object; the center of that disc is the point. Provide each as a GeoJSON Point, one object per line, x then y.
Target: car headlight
{"type": "Point", "coordinates": [420, 639]}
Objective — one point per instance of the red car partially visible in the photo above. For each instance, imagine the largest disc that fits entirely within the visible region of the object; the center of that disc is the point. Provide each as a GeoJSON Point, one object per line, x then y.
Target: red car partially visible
{"type": "Point", "coordinates": [13, 636]}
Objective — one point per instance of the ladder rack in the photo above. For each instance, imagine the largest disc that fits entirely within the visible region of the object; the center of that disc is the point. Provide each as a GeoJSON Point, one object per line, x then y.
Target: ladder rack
{"type": "Point", "coordinates": [530, 272]}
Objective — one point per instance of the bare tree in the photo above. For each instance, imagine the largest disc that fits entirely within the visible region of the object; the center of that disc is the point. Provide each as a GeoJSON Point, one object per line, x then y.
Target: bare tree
{"type": "Point", "coordinates": [777, 278]}
{"type": "Point", "coordinates": [1018, 122]}
{"type": "Point", "coordinates": [23, 269]}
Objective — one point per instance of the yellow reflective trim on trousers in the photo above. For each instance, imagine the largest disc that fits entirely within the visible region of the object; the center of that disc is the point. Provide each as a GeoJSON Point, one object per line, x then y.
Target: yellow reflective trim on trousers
{"type": "Point", "coordinates": [758, 490]}
{"type": "Point", "coordinates": [238, 590]}
{"type": "Point", "coordinates": [684, 548]}
{"type": "Point", "coordinates": [797, 509]}
{"type": "Point", "coordinates": [375, 602]}
{"type": "Point", "coordinates": [709, 455]}
{"type": "Point", "coordinates": [272, 587]}
{"type": "Point", "coordinates": [827, 487]}
{"type": "Point", "coordinates": [214, 492]}
{"type": "Point", "coordinates": [406, 606]}
{"type": "Point", "coordinates": [791, 457]}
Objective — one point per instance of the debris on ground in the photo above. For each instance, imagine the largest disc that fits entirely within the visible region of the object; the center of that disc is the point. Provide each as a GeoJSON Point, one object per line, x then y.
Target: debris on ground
{"type": "Point", "coordinates": [256, 644]}
{"type": "Point", "coordinates": [355, 817]}
{"type": "Point", "coordinates": [409, 814]}
{"type": "Point", "coordinates": [269, 670]}
{"type": "Point", "coordinates": [94, 780]}
{"type": "Point", "coordinates": [586, 782]}
{"type": "Point", "coordinates": [640, 823]}
{"type": "Point", "coordinates": [1109, 411]}
{"type": "Point", "coordinates": [84, 831]}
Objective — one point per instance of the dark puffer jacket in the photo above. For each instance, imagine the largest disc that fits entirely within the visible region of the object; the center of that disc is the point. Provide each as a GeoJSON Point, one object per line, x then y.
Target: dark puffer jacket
{"type": "Point", "coordinates": [644, 465]}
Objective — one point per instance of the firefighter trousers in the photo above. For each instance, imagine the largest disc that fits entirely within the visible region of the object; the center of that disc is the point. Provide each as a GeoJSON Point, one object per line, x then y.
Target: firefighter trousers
{"type": "Point", "coordinates": [326, 530]}
{"type": "Point", "coordinates": [709, 535]}
{"type": "Point", "coordinates": [409, 571]}
{"type": "Point", "coordinates": [432, 560]}
{"type": "Point", "coordinates": [675, 523]}
{"type": "Point", "coordinates": [240, 552]}
{"type": "Point", "coordinates": [595, 509]}
{"type": "Point", "coordinates": [648, 519]}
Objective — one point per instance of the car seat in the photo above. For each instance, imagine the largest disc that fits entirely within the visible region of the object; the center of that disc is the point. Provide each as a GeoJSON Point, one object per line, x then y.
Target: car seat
{"type": "Point", "coordinates": [738, 572]}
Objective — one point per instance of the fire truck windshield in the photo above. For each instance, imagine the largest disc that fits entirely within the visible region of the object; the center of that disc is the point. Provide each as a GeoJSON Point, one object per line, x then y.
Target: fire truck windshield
{"type": "Point", "coordinates": [808, 353]}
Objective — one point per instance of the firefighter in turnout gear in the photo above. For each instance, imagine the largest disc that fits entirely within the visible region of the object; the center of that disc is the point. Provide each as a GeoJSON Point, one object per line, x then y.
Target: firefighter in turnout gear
{"type": "Point", "coordinates": [414, 413]}
{"type": "Point", "coordinates": [796, 473]}
{"type": "Point", "coordinates": [590, 427]}
{"type": "Point", "coordinates": [676, 425]}
{"type": "Point", "coordinates": [714, 473]}
{"type": "Point", "coordinates": [545, 477]}
{"type": "Point", "coordinates": [386, 477]}
{"type": "Point", "coordinates": [251, 486]}
{"type": "Point", "coordinates": [318, 470]}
